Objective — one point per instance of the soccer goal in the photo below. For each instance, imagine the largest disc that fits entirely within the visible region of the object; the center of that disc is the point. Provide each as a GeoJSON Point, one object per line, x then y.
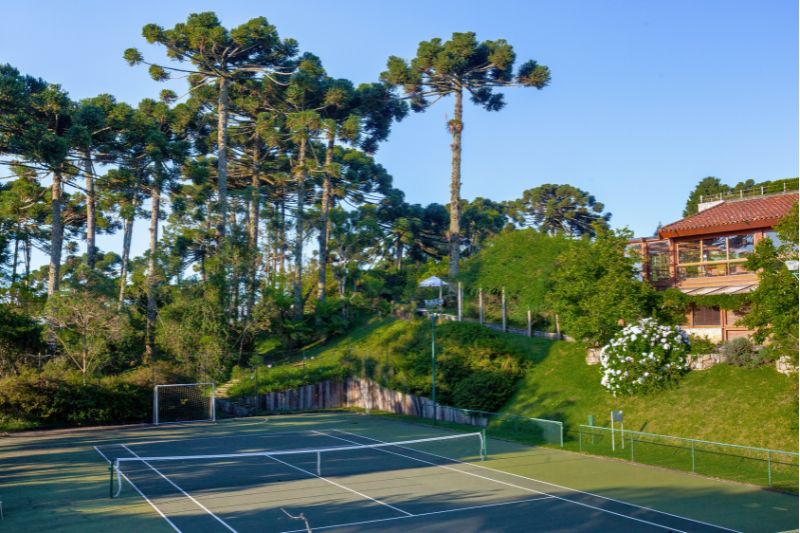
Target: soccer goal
{"type": "Point", "coordinates": [183, 402]}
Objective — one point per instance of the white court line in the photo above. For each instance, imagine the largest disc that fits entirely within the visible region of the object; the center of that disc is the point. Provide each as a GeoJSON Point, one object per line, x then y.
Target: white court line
{"type": "Point", "coordinates": [276, 434]}
{"type": "Point", "coordinates": [503, 482]}
{"type": "Point", "coordinates": [140, 492]}
{"type": "Point", "coordinates": [567, 488]}
{"type": "Point", "coordinates": [363, 522]}
{"type": "Point", "coordinates": [203, 507]}
{"type": "Point", "coordinates": [340, 486]}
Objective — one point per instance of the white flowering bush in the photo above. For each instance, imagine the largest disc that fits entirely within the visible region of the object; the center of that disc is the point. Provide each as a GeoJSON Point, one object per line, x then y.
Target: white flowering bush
{"type": "Point", "coordinates": [643, 357]}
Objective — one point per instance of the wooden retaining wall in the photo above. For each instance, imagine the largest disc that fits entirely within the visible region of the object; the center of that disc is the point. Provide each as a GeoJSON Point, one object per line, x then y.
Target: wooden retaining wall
{"type": "Point", "coordinates": [364, 394]}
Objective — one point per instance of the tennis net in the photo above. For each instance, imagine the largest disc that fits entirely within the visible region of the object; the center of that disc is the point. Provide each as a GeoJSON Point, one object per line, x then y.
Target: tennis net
{"type": "Point", "coordinates": [216, 470]}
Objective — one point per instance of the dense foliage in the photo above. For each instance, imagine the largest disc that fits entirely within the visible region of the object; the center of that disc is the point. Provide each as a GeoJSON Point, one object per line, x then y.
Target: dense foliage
{"type": "Point", "coordinates": [773, 306]}
{"type": "Point", "coordinates": [595, 287]}
{"type": "Point", "coordinates": [643, 357]}
{"type": "Point", "coordinates": [523, 262]}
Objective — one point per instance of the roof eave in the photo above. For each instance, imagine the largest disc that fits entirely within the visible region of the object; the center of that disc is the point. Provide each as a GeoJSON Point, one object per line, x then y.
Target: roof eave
{"type": "Point", "coordinates": [668, 233]}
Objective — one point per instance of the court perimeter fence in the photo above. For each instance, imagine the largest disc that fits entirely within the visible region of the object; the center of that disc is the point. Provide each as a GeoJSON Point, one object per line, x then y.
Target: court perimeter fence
{"type": "Point", "coordinates": [761, 466]}
{"type": "Point", "coordinates": [369, 395]}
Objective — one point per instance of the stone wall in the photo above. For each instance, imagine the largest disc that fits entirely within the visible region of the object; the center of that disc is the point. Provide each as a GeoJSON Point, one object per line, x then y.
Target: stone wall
{"type": "Point", "coordinates": [705, 361]}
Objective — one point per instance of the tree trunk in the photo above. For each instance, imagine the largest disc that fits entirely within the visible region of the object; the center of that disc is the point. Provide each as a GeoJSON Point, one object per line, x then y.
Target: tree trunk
{"type": "Point", "coordinates": [155, 196]}
{"type": "Point", "coordinates": [282, 242]}
{"type": "Point", "coordinates": [57, 238]}
{"type": "Point", "coordinates": [325, 207]}
{"type": "Point", "coordinates": [398, 262]}
{"type": "Point", "coordinates": [298, 230]}
{"type": "Point", "coordinates": [16, 254]}
{"type": "Point", "coordinates": [126, 252]}
{"type": "Point", "coordinates": [27, 250]}
{"type": "Point", "coordinates": [90, 210]}
{"type": "Point", "coordinates": [222, 155]}
{"type": "Point", "coordinates": [255, 206]}
{"type": "Point", "coordinates": [456, 127]}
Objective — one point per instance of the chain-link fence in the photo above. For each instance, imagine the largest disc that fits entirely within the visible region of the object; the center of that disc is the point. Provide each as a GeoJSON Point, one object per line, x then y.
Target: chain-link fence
{"type": "Point", "coordinates": [761, 466]}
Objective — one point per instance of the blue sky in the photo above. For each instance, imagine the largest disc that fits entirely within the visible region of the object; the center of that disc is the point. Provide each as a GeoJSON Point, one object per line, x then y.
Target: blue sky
{"type": "Point", "coordinates": [646, 97]}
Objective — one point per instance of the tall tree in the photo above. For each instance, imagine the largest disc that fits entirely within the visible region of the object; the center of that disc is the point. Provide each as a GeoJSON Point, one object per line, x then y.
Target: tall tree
{"type": "Point", "coordinates": [562, 209]}
{"type": "Point", "coordinates": [219, 57]}
{"type": "Point", "coordinates": [35, 118]}
{"type": "Point", "coordinates": [454, 67]}
{"type": "Point", "coordinates": [92, 134]}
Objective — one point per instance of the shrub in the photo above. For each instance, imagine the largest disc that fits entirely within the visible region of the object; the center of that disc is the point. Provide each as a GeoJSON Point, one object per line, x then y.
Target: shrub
{"type": "Point", "coordinates": [644, 357]}
{"type": "Point", "coordinates": [740, 352]}
{"type": "Point", "coordinates": [57, 398]}
{"type": "Point", "coordinates": [701, 345]}
{"type": "Point", "coordinates": [485, 391]}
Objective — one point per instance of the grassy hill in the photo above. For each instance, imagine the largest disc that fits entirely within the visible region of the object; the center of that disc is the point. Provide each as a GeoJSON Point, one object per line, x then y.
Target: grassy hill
{"type": "Point", "coordinates": [755, 407]}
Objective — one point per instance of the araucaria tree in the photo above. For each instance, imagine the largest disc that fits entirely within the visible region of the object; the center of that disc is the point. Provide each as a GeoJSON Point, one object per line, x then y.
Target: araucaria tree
{"type": "Point", "coordinates": [218, 57]}
{"type": "Point", "coordinates": [461, 65]}
{"type": "Point", "coordinates": [560, 209]}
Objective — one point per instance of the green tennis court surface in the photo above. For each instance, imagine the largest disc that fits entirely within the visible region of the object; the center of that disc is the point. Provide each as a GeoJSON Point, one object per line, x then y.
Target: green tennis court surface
{"type": "Point", "coordinates": [238, 475]}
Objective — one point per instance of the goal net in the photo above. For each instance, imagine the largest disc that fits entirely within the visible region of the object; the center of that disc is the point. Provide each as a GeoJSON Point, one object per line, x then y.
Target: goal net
{"type": "Point", "coordinates": [183, 402]}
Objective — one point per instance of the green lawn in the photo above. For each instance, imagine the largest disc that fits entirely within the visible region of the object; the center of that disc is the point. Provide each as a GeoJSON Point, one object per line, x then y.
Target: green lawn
{"type": "Point", "coordinates": [753, 407]}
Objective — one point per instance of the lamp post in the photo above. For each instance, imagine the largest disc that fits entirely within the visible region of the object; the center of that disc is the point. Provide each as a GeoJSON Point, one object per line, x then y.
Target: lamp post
{"type": "Point", "coordinates": [433, 364]}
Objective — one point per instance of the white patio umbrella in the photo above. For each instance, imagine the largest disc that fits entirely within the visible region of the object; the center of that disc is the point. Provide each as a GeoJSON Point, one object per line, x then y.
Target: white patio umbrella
{"type": "Point", "coordinates": [434, 281]}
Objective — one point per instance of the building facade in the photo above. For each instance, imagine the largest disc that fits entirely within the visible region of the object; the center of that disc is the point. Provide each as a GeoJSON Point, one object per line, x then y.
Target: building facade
{"type": "Point", "coordinates": [705, 254]}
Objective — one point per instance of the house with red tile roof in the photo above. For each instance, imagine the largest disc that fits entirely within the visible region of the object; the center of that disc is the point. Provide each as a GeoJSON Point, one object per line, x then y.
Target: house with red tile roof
{"type": "Point", "coordinates": [705, 254]}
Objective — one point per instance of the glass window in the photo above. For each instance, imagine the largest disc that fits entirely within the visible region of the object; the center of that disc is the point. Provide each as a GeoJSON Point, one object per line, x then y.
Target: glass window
{"type": "Point", "coordinates": [773, 236]}
{"type": "Point", "coordinates": [706, 316]}
{"type": "Point", "coordinates": [716, 270]}
{"type": "Point", "coordinates": [737, 268]}
{"type": "Point", "coordinates": [658, 256]}
{"type": "Point", "coordinates": [690, 272]}
{"type": "Point", "coordinates": [715, 249]}
{"type": "Point", "coordinates": [689, 252]}
{"type": "Point", "coordinates": [740, 246]}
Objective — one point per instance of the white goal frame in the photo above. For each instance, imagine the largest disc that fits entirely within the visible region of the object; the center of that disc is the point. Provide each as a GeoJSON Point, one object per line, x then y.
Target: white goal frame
{"type": "Point", "coordinates": [211, 402]}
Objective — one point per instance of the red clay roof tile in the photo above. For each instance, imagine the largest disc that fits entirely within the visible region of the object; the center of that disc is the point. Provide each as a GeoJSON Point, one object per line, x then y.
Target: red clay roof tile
{"type": "Point", "coordinates": [760, 212]}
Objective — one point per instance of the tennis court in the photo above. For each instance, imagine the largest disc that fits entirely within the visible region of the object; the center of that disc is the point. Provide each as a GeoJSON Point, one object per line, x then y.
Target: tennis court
{"type": "Point", "coordinates": [342, 481]}
{"type": "Point", "coordinates": [346, 472]}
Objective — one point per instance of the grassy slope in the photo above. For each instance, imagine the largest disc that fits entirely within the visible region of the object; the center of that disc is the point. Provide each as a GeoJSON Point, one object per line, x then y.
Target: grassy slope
{"type": "Point", "coordinates": [727, 404]}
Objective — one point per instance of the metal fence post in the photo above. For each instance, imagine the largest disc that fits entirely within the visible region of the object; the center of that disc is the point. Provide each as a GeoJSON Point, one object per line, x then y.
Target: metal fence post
{"type": "Point", "coordinates": [769, 468]}
{"type": "Point", "coordinates": [632, 459]}
{"type": "Point", "coordinates": [692, 456]}
{"type": "Point", "coordinates": [580, 438]}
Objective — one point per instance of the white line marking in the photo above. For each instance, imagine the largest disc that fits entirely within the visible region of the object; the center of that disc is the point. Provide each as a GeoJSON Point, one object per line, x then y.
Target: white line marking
{"type": "Point", "coordinates": [203, 507]}
{"type": "Point", "coordinates": [249, 436]}
{"type": "Point", "coordinates": [340, 486]}
{"type": "Point", "coordinates": [567, 488]}
{"type": "Point", "coordinates": [140, 493]}
{"type": "Point", "coordinates": [512, 485]}
{"type": "Point", "coordinates": [459, 509]}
